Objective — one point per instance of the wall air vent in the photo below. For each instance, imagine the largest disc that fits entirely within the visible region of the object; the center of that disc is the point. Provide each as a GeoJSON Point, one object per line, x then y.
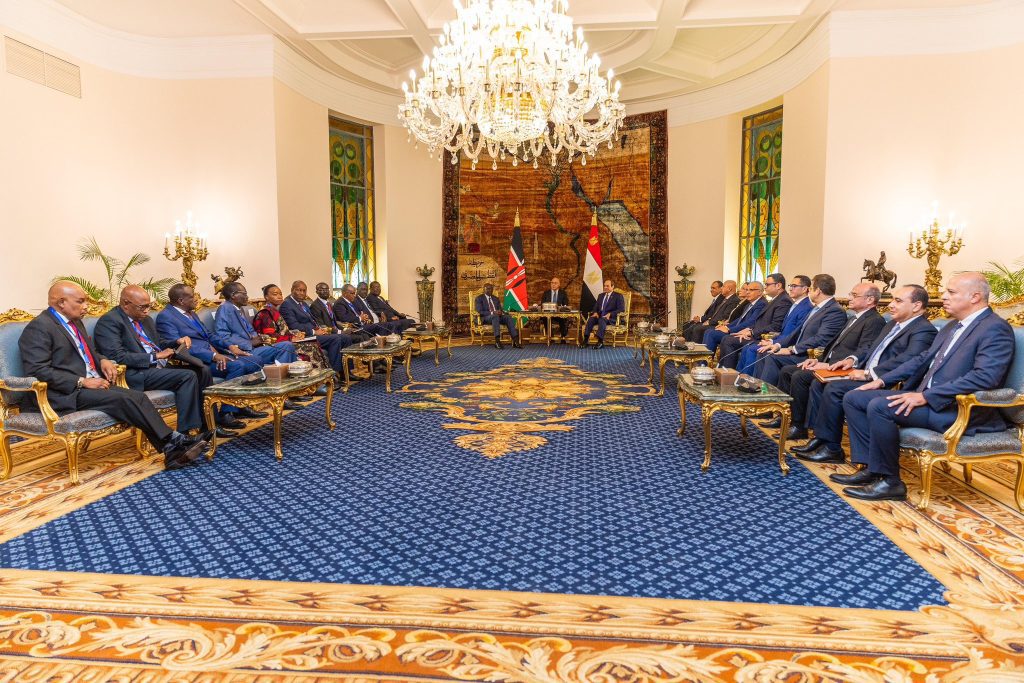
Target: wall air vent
{"type": "Point", "coordinates": [43, 68]}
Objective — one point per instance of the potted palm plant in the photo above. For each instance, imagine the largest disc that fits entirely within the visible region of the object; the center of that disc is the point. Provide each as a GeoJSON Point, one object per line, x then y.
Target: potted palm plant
{"type": "Point", "coordinates": [118, 275]}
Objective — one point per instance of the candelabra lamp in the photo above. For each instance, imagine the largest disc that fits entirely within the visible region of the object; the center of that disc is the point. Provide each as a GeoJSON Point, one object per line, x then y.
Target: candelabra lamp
{"type": "Point", "coordinates": [930, 245]}
{"type": "Point", "coordinates": [188, 246]}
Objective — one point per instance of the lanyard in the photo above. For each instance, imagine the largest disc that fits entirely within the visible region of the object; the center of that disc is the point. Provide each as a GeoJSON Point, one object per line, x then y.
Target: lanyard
{"type": "Point", "coordinates": [76, 337]}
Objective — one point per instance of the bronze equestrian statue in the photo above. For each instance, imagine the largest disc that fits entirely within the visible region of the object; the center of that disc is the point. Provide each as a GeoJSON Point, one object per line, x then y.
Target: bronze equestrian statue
{"type": "Point", "coordinates": [877, 272]}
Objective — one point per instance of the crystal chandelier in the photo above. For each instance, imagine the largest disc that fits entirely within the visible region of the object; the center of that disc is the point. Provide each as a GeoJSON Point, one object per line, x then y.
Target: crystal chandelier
{"type": "Point", "coordinates": [510, 78]}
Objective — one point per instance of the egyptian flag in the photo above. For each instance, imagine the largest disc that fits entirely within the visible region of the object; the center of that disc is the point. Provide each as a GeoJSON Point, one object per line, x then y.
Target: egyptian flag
{"type": "Point", "coordinates": [592, 280]}
{"type": "Point", "coordinates": [515, 280]}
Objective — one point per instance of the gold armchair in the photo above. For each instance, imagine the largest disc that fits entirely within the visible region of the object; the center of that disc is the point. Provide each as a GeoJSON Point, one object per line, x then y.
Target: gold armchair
{"type": "Point", "coordinates": [620, 330]}
{"type": "Point", "coordinates": [477, 327]}
{"type": "Point", "coordinates": [954, 447]}
{"type": "Point", "coordinates": [75, 430]}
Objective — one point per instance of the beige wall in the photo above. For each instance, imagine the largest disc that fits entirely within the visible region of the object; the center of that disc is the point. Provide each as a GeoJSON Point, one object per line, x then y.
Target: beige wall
{"type": "Point", "coordinates": [805, 126]}
{"type": "Point", "coordinates": [303, 188]}
{"type": "Point", "coordinates": [122, 164]}
{"type": "Point", "coordinates": [409, 217]}
{"type": "Point", "coordinates": [905, 131]}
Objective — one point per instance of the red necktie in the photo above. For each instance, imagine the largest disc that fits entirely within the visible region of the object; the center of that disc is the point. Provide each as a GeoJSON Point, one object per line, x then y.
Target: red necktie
{"type": "Point", "coordinates": [85, 347]}
{"type": "Point", "coordinates": [490, 304]}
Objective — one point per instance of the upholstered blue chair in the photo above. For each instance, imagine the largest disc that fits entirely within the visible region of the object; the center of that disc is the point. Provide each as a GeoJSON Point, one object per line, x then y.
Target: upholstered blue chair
{"type": "Point", "coordinates": [74, 430]}
{"type": "Point", "coordinates": [954, 447]}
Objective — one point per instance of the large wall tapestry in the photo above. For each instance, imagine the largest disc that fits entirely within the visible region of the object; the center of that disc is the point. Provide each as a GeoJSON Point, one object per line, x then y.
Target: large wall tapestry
{"type": "Point", "coordinates": [760, 194]}
{"type": "Point", "coordinates": [625, 185]}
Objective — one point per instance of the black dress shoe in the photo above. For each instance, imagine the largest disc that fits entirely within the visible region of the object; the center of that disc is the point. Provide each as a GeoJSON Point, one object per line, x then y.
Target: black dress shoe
{"type": "Point", "coordinates": [809, 447]}
{"type": "Point", "coordinates": [879, 489]}
{"type": "Point", "coordinates": [796, 433]}
{"type": "Point", "coordinates": [858, 478]}
{"type": "Point", "coordinates": [292, 405]}
{"type": "Point", "coordinates": [762, 416]}
{"type": "Point", "coordinates": [250, 414]}
{"type": "Point", "coordinates": [517, 344]}
{"type": "Point", "coordinates": [823, 454]}
{"type": "Point", "coordinates": [498, 345]}
{"type": "Point", "coordinates": [584, 345]}
{"type": "Point", "coordinates": [772, 424]}
{"type": "Point", "coordinates": [182, 452]}
{"type": "Point", "coordinates": [563, 340]}
{"type": "Point", "coordinates": [230, 422]}
{"type": "Point", "coordinates": [600, 345]}
{"type": "Point", "coordinates": [223, 433]}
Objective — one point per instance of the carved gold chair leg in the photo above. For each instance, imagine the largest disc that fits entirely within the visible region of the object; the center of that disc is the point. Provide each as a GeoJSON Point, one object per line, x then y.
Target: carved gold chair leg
{"type": "Point", "coordinates": [74, 446]}
{"type": "Point", "coordinates": [927, 463]}
{"type": "Point", "coordinates": [5, 457]}
{"type": "Point", "coordinates": [968, 472]}
{"type": "Point", "coordinates": [140, 445]}
{"type": "Point", "coordinates": [1018, 486]}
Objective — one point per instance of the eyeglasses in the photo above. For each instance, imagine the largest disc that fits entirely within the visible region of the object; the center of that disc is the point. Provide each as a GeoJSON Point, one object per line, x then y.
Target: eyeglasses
{"type": "Point", "coordinates": [856, 296]}
{"type": "Point", "coordinates": [796, 284]}
{"type": "Point", "coordinates": [142, 307]}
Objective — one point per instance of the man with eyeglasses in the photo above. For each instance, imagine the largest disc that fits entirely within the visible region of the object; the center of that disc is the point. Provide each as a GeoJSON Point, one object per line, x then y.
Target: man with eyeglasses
{"type": "Point", "coordinates": [795, 316]}
{"type": "Point", "coordinates": [128, 336]}
{"type": "Point", "coordinates": [769, 319]}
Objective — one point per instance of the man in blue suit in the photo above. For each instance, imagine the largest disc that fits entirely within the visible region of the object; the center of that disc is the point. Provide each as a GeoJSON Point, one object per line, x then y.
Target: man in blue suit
{"type": "Point", "coordinates": [973, 354]}
{"type": "Point", "coordinates": [821, 326]}
{"type": "Point", "coordinates": [178, 324]}
{"type": "Point", "coordinates": [770, 320]}
{"type": "Point", "coordinates": [906, 336]}
{"type": "Point", "coordinates": [798, 310]}
{"type": "Point", "coordinates": [298, 316]}
{"type": "Point", "coordinates": [606, 312]}
{"type": "Point", "coordinates": [755, 303]}
{"type": "Point", "coordinates": [237, 330]}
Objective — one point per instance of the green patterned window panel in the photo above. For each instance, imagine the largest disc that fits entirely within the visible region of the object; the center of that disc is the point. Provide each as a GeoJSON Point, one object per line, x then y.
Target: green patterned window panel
{"type": "Point", "coordinates": [353, 224]}
{"type": "Point", "coordinates": [760, 194]}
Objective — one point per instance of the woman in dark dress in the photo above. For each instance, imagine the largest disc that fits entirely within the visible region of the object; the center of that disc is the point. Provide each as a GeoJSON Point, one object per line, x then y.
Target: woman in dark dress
{"type": "Point", "coordinates": [268, 321]}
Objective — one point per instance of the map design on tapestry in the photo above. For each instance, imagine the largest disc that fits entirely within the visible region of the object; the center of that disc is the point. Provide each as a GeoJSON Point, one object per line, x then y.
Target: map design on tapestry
{"type": "Point", "coordinates": [624, 185]}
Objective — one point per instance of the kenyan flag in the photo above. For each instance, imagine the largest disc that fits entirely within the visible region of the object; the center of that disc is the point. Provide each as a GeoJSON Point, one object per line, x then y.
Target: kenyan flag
{"type": "Point", "coordinates": [515, 279]}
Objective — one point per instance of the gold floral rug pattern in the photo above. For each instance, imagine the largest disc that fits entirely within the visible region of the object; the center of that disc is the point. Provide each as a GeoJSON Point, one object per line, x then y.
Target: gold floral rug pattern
{"type": "Point", "coordinates": [71, 627]}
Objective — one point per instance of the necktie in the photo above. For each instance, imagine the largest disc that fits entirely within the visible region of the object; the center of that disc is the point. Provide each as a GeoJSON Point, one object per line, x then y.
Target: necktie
{"type": "Point", "coordinates": [373, 316]}
{"type": "Point", "coordinates": [90, 362]}
{"type": "Point", "coordinates": [880, 349]}
{"type": "Point", "coordinates": [939, 358]}
{"type": "Point", "coordinates": [490, 304]}
{"type": "Point", "coordinates": [198, 324]}
{"type": "Point", "coordinates": [604, 303]}
{"type": "Point", "coordinates": [330, 312]}
{"type": "Point", "coordinates": [147, 343]}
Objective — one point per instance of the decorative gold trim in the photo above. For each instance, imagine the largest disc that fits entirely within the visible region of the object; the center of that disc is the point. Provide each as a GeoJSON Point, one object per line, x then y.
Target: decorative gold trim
{"type": "Point", "coordinates": [15, 315]}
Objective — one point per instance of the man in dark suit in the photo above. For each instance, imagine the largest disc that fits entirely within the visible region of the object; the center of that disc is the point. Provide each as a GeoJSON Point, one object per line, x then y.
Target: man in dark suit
{"type": "Point", "coordinates": [322, 308]}
{"type": "Point", "coordinates": [557, 295]}
{"type": "Point", "coordinates": [56, 349]}
{"type": "Point", "coordinates": [178, 322]}
{"type": "Point", "coordinates": [128, 336]}
{"type": "Point", "coordinates": [606, 312]}
{"type": "Point", "coordinates": [770, 319]}
{"type": "Point", "coordinates": [298, 315]}
{"type": "Point", "coordinates": [907, 335]}
{"type": "Point", "coordinates": [972, 354]}
{"type": "Point", "coordinates": [363, 306]}
{"type": "Point", "coordinates": [795, 316]}
{"type": "Point", "coordinates": [380, 306]}
{"type": "Point", "coordinates": [743, 316]}
{"type": "Point", "coordinates": [819, 329]}
{"type": "Point", "coordinates": [488, 307]}
{"type": "Point", "coordinates": [860, 329]}
{"type": "Point", "coordinates": [346, 311]}
{"type": "Point", "coordinates": [719, 309]}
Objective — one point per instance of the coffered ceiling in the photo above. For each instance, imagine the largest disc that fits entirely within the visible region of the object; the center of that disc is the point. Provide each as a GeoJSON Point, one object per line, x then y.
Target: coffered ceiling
{"type": "Point", "coordinates": [659, 48]}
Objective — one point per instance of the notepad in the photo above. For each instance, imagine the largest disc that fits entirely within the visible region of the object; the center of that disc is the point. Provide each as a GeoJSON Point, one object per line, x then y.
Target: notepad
{"type": "Point", "coordinates": [831, 375]}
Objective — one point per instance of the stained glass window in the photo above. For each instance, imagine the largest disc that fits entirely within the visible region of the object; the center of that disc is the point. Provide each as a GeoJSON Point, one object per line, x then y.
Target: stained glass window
{"type": "Point", "coordinates": [760, 194]}
{"type": "Point", "coordinates": [352, 214]}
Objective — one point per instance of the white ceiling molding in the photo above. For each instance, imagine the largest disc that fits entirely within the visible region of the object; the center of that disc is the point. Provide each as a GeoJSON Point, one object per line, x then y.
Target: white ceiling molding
{"type": "Point", "coordinates": [172, 58]}
{"type": "Point", "coordinates": [945, 30]}
{"type": "Point", "coordinates": [338, 94]}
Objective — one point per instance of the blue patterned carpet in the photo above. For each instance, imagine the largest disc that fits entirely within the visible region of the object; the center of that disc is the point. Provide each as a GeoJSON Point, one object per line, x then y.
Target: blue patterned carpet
{"type": "Point", "coordinates": [617, 506]}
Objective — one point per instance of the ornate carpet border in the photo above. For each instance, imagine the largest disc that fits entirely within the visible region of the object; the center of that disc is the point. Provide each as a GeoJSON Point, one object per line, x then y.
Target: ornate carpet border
{"type": "Point", "coordinates": [54, 622]}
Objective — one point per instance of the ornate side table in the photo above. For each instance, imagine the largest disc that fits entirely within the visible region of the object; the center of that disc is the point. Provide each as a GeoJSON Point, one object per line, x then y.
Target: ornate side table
{"type": "Point", "coordinates": [273, 392]}
{"type": "Point", "coordinates": [523, 317]}
{"type": "Point", "coordinates": [696, 353]}
{"type": "Point", "coordinates": [713, 398]}
{"type": "Point", "coordinates": [388, 354]}
{"type": "Point", "coordinates": [437, 334]}
{"type": "Point", "coordinates": [642, 339]}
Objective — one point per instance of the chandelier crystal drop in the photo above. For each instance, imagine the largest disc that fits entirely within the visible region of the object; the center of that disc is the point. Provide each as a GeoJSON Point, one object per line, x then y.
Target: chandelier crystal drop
{"type": "Point", "coordinates": [510, 78]}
